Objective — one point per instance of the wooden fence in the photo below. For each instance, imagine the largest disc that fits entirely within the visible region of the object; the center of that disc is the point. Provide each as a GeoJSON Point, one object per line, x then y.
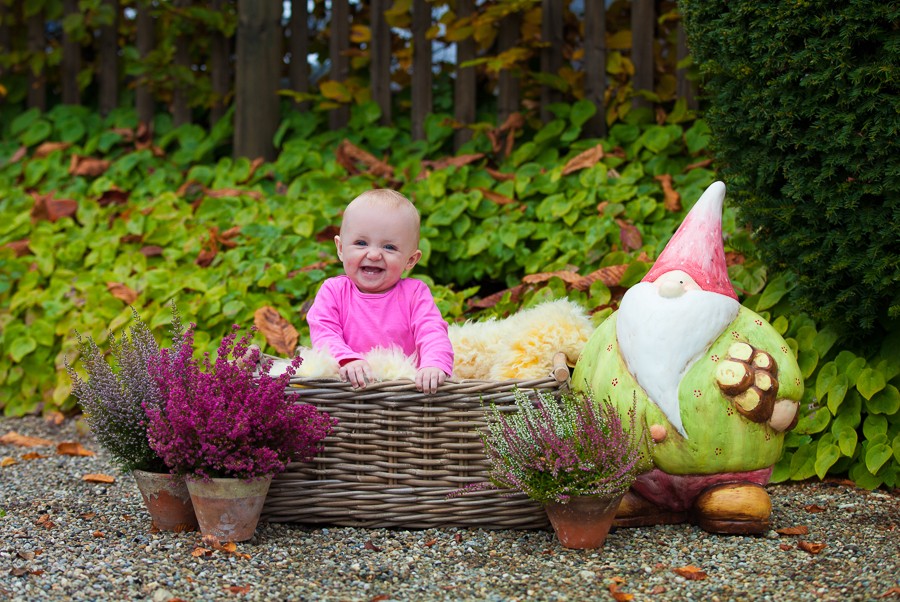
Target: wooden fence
{"type": "Point", "coordinates": [195, 60]}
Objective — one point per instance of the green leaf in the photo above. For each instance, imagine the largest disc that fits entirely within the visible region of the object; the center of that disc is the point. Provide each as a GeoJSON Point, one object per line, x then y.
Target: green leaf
{"type": "Point", "coordinates": [814, 422]}
{"type": "Point", "coordinates": [38, 132]}
{"type": "Point", "coordinates": [876, 456]}
{"type": "Point", "coordinates": [808, 360]}
{"type": "Point", "coordinates": [870, 382]}
{"type": "Point", "coordinates": [803, 463]}
{"type": "Point", "coordinates": [775, 290]}
{"type": "Point", "coordinates": [874, 427]}
{"type": "Point", "coordinates": [863, 478]}
{"type": "Point", "coordinates": [827, 454]}
{"type": "Point", "coordinates": [886, 401]}
{"type": "Point", "coordinates": [20, 347]}
{"type": "Point", "coordinates": [896, 447]}
{"type": "Point", "coordinates": [847, 439]}
{"type": "Point", "coordinates": [581, 112]}
{"type": "Point", "coordinates": [824, 379]}
{"type": "Point", "coordinates": [824, 340]}
{"type": "Point", "coordinates": [698, 136]}
{"type": "Point", "coordinates": [836, 393]}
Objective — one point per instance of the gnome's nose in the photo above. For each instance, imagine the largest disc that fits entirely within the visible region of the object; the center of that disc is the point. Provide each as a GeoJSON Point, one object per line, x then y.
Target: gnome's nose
{"type": "Point", "coordinates": [671, 289]}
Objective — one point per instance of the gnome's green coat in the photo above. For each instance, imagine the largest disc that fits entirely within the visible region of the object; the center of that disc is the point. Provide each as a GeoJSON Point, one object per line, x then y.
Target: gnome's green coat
{"type": "Point", "coordinates": [719, 439]}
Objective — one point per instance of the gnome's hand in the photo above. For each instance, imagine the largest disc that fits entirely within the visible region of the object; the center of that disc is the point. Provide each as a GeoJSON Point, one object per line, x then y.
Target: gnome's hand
{"type": "Point", "coordinates": [748, 376]}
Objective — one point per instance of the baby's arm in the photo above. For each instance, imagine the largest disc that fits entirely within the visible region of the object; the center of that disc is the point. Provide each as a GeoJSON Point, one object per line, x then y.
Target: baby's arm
{"type": "Point", "coordinates": [428, 379]}
{"type": "Point", "coordinates": [432, 342]}
{"type": "Point", "coordinates": [357, 373]}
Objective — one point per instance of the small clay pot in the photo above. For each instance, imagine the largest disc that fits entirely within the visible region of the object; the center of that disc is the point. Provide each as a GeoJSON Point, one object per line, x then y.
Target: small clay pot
{"type": "Point", "coordinates": [584, 521]}
{"type": "Point", "coordinates": [167, 500]}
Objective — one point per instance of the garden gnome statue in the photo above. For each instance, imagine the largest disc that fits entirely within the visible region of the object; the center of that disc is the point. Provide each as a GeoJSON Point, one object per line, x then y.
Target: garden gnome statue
{"type": "Point", "coordinates": [714, 386]}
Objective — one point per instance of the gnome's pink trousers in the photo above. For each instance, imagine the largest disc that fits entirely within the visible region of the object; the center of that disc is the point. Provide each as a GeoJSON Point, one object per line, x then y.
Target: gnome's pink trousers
{"type": "Point", "coordinates": [678, 492]}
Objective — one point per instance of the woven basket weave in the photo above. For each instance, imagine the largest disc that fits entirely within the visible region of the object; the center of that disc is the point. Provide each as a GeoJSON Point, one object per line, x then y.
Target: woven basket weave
{"type": "Point", "coordinates": [396, 454]}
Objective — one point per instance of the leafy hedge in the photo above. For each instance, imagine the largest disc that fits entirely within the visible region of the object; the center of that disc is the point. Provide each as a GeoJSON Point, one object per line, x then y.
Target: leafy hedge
{"type": "Point", "coordinates": [96, 215]}
{"type": "Point", "coordinates": [803, 105]}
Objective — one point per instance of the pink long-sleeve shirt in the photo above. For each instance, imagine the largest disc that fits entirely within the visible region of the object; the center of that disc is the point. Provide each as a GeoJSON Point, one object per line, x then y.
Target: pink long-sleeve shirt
{"type": "Point", "coordinates": [349, 323]}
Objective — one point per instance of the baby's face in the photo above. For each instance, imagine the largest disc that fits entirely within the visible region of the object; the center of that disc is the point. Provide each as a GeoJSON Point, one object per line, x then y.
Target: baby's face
{"type": "Point", "coordinates": [376, 246]}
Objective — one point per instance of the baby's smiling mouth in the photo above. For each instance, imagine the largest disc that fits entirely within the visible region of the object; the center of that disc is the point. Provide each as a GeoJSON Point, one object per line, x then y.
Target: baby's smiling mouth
{"type": "Point", "coordinates": [368, 269]}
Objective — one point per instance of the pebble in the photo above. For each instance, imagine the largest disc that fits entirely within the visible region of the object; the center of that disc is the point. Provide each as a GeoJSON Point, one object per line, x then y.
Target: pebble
{"type": "Point", "coordinates": [67, 561]}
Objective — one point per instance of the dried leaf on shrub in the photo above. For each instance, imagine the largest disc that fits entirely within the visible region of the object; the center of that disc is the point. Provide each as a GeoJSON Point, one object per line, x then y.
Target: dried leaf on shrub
{"type": "Point", "coordinates": [98, 478]}
{"type": "Point", "coordinates": [499, 175]}
{"type": "Point", "coordinates": [610, 276]}
{"type": "Point", "coordinates": [49, 147]}
{"type": "Point", "coordinates": [72, 448]}
{"type": "Point", "coordinates": [151, 251]}
{"type": "Point", "coordinates": [798, 530]}
{"type": "Point", "coordinates": [48, 208]}
{"type": "Point", "coordinates": [113, 196]}
{"type": "Point", "coordinates": [122, 291]}
{"type": "Point", "coordinates": [87, 166]}
{"type": "Point", "coordinates": [691, 572]}
{"type": "Point", "coordinates": [583, 160]}
{"type": "Point", "coordinates": [348, 155]}
{"type": "Point", "coordinates": [19, 247]}
{"type": "Point", "coordinates": [279, 333]}
{"type": "Point", "coordinates": [14, 438]}
{"type": "Point", "coordinates": [703, 163]}
{"type": "Point", "coordinates": [7, 461]}
{"type": "Point", "coordinates": [630, 236]}
{"type": "Point", "coordinates": [811, 547]}
{"type": "Point", "coordinates": [564, 275]}
{"type": "Point", "coordinates": [495, 197]}
{"type": "Point", "coordinates": [672, 200]}
{"type": "Point", "coordinates": [17, 156]}
{"type": "Point", "coordinates": [457, 161]}
{"type": "Point", "coordinates": [371, 546]}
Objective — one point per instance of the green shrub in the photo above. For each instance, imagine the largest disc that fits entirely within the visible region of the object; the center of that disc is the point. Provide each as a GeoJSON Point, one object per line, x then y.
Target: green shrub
{"type": "Point", "coordinates": [802, 103]}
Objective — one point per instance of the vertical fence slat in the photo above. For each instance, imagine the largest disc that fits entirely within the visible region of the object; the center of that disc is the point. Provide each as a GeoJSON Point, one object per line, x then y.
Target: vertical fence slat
{"type": "Point", "coordinates": [71, 60]}
{"type": "Point", "coordinates": [684, 88]}
{"type": "Point", "coordinates": [508, 99]}
{"type": "Point", "coordinates": [551, 55]}
{"type": "Point", "coordinates": [464, 91]}
{"type": "Point", "coordinates": [642, 31]}
{"type": "Point", "coordinates": [220, 68]}
{"type": "Point", "coordinates": [380, 59]}
{"type": "Point", "coordinates": [109, 61]}
{"type": "Point", "coordinates": [421, 79]}
{"type": "Point", "coordinates": [144, 38]}
{"type": "Point", "coordinates": [5, 47]}
{"type": "Point", "coordinates": [595, 65]}
{"type": "Point", "coordinates": [256, 113]}
{"type": "Point", "coordinates": [340, 63]}
{"type": "Point", "coordinates": [37, 86]}
{"type": "Point", "coordinates": [181, 111]}
{"type": "Point", "coordinates": [299, 48]}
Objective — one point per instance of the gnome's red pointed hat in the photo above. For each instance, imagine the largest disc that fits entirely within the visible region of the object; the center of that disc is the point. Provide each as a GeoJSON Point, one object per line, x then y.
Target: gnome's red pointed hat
{"type": "Point", "coordinates": [696, 248]}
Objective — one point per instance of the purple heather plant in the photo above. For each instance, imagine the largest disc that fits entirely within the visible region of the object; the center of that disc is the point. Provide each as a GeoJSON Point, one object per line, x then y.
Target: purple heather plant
{"type": "Point", "coordinates": [115, 394]}
{"type": "Point", "coordinates": [553, 449]}
{"type": "Point", "coordinates": [220, 419]}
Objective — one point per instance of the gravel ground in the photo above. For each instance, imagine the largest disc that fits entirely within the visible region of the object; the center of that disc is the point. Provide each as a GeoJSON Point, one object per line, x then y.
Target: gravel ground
{"type": "Point", "coordinates": [62, 538]}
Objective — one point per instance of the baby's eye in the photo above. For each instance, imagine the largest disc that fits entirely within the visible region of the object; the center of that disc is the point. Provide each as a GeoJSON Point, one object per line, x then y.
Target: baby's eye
{"type": "Point", "coordinates": [390, 247]}
{"type": "Point", "coordinates": [360, 243]}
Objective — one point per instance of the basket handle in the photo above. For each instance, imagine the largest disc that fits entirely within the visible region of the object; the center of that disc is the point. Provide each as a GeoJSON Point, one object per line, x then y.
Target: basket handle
{"type": "Point", "coordinates": [560, 367]}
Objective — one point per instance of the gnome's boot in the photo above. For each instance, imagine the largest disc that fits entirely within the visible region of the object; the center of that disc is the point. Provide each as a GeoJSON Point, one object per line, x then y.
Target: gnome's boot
{"type": "Point", "coordinates": [637, 511]}
{"type": "Point", "coordinates": [735, 508]}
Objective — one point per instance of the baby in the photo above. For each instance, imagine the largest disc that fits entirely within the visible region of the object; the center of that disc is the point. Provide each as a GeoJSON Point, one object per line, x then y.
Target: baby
{"type": "Point", "coordinates": [372, 305]}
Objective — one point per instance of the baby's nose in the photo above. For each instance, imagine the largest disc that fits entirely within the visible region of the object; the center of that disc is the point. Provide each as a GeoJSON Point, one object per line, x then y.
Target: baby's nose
{"type": "Point", "coordinates": [373, 252]}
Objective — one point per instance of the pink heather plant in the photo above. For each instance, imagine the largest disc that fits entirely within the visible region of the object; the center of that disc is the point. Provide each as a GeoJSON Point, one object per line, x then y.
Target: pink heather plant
{"type": "Point", "coordinates": [552, 450]}
{"type": "Point", "coordinates": [221, 420]}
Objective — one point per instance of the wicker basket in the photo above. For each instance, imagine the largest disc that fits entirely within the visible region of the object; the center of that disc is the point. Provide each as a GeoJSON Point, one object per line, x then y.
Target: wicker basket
{"type": "Point", "coordinates": [396, 454]}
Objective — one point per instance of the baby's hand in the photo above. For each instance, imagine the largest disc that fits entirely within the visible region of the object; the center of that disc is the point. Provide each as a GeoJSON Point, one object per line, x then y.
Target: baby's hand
{"type": "Point", "coordinates": [357, 373]}
{"type": "Point", "coordinates": [428, 379]}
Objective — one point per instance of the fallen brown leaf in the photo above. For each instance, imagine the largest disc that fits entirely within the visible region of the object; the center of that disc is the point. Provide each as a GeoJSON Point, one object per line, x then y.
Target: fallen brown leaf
{"type": "Point", "coordinates": [44, 521]}
{"type": "Point", "coordinates": [691, 572]}
{"type": "Point", "coordinates": [583, 160]}
{"type": "Point", "coordinates": [798, 530]}
{"type": "Point", "coordinates": [201, 552]}
{"type": "Point", "coordinates": [7, 461]}
{"type": "Point", "coordinates": [26, 555]}
{"type": "Point", "coordinates": [814, 508]}
{"type": "Point", "coordinates": [894, 591]}
{"type": "Point", "coordinates": [33, 456]}
{"type": "Point", "coordinates": [87, 515]}
{"type": "Point", "coordinates": [98, 478]}
{"type": "Point", "coordinates": [98, 534]}
{"type": "Point", "coordinates": [238, 589]}
{"type": "Point", "coordinates": [430, 543]}
{"type": "Point", "coordinates": [812, 548]}
{"type": "Point", "coordinates": [279, 333]}
{"type": "Point", "coordinates": [14, 438]}
{"type": "Point", "coordinates": [659, 589]}
{"type": "Point", "coordinates": [786, 547]}
{"type": "Point", "coordinates": [371, 546]}
{"type": "Point", "coordinates": [73, 448]}
{"type": "Point", "coordinates": [617, 595]}
{"type": "Point", "coordinates": [122, 291]}
{"type": "Point", "coordinates": [672, 200]}
{"type": "Point", "coordinates": [19, 571]}
{"type": "Point", "coordinates": [457, 538]}
{"type": "Point", "coordinates": [55, 417]}
{"type": "Point", "coordinates": [380, 598]}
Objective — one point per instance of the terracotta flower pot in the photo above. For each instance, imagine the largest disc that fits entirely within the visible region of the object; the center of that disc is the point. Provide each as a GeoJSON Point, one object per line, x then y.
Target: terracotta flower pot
{"type": "Point", "coordinates": [167, 500]}
{"type": "Point", "coordinates": [583, 522]}
{"type": "Point", "coordinates": [228, 509]}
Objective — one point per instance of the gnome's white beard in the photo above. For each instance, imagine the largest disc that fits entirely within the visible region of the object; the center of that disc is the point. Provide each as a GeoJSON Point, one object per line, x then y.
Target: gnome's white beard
{"type": "Point", "coordinates": [660, 338]}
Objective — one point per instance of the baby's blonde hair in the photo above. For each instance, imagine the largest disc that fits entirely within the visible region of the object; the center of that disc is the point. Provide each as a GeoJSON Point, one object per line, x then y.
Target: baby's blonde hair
{"type": "Point", "coordinates": [388, 199]}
